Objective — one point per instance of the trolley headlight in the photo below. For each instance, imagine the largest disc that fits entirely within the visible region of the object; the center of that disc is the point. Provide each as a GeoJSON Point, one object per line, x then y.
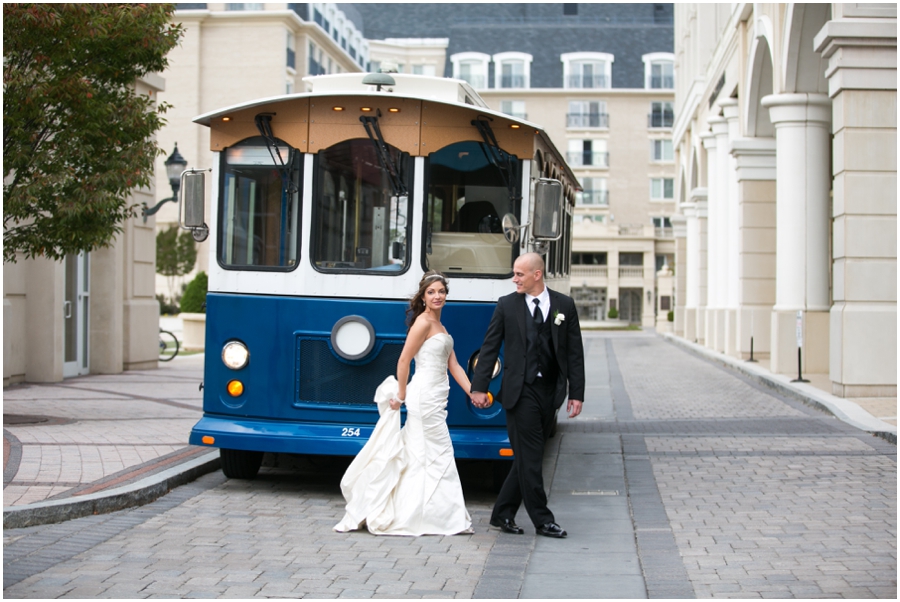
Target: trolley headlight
{"type": "Point", "coordinates": [474, 362]}
{"type": "Point", "coordinates": [235, 355]}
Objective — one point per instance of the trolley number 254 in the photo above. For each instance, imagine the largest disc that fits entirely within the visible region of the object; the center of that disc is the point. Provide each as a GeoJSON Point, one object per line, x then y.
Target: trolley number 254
{"type": "Point", "coordinates": [349, 432]}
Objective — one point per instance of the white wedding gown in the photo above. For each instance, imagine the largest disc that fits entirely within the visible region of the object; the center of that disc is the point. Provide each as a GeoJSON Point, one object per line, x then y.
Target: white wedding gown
{"type": "Point", "coordinates": [404, 481]}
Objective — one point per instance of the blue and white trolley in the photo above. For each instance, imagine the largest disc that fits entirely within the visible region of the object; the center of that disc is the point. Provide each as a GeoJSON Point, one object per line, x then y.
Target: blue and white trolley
{"type": "Point", "coordinates": [325, 210]}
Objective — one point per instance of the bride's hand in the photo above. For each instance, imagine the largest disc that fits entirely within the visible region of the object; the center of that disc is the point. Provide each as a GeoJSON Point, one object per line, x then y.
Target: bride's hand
{"type": "Point", "coordinates": [395, 403]}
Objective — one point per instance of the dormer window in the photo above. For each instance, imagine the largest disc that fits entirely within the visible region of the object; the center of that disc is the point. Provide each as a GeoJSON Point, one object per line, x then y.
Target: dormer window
{"type": "Point", "coordinates": [471, 67]}
{"type": "Point", "coordinates": [512, 70]}
{"type": "Point", "coordinates": [659, 71]}
{"type": "Point", "coordinates": [587, 70]}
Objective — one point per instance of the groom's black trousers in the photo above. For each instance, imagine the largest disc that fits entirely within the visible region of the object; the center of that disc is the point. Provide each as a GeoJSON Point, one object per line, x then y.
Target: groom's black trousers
{"type": "Point", "coordinates": [529, 424]}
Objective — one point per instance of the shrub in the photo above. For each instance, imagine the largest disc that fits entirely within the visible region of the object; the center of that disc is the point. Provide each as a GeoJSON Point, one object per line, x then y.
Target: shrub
{"type": "Point", "coordinates": [613, 313]}
{"type": "Point", "coordinates": [194, 299]}
{"type": "Point", "coordinates": [670, 316]}
{"type": "Point", "coordinates": [166, 308]}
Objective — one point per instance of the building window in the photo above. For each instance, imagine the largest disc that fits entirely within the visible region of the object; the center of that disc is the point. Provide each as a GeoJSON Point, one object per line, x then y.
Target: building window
{"type": "Point", "coordinates": [662, 222]}
{"type": "Point", "coordinates": [661, 150]}
{"type": "Point", "coordinates": [317, 17]}
{"type": "Point", "coordinates": [471, 67]}
{"type": "Point", "coordinates": [428, 70]}
{"type": "Point", "coordinates": [514, 108]}
{"type": "Point", "coordinates": [662, 115]}
{"type": "Point", "coordinates": [291, 54]}
{"type": "Point", "coordinates": [595, 193]}
{"type": "Point", "coordinates": [631, 259]}
{"type": "Point", "coordinates": [587, 70]}
{"type": "Point", "coordinates": [244, 6]}
{"type": "Point", "coordinates": [662, 189]}
{"type": "Point", "coordinates": [288, 87]}
{"type": "Point", "coordinates": [659, 70]}
{"type": "Point", "coordinates": [512, 70]}
{"type": "Point", "coordinates": [588, 153]}
{"type": "Point", "coordinates": [588, 258]}
{"type": "Point", "coordinates": [315, 65]}
{"type": "Point", "coordinates": [587, 114]}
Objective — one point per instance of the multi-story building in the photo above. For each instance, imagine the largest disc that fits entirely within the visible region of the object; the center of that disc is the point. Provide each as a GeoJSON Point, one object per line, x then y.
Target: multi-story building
{"type": "Point", "coordinates": [231, 53]}
{"type": "Point", "coordinates": [786, 139]}
{"type": "Point", "coordinates": [600, 79]}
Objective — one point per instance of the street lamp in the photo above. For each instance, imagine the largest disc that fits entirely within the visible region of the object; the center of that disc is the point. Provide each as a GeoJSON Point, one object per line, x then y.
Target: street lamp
{"type": "Point", "coordinates": [175, 165]}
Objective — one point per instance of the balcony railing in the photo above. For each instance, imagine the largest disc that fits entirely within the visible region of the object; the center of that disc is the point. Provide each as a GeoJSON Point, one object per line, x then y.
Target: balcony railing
{"type": "Point", "coordinates": [588, 159]}
{"type": "Point", "coordinates": [589, 271]}
{"type": "Point", "coordinates": [664, 82]}
{"type": "Point", "coordinates": [593, 197]}
{"type": "Point", "coordinates": [588, 81]}
{"type": "Point", "coordinates": [660, 119]}
{"type": "Point", "coordinates": [587, 120]}
{"type": "Point", "coordinates": [512, 81]}
{"type": "Point", "coordinates": [630, 271]}
{"type": "Point", "coordinates": [665, 233]}
{"type": "Point", "coordinates": [476, 81]}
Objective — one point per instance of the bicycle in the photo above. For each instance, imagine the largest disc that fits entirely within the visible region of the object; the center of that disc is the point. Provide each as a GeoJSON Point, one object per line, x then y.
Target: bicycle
{"type": "Point", "coordinates": [168, 346]}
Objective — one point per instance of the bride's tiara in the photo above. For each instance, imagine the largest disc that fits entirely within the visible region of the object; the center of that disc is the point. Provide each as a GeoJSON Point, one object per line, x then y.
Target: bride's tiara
{"type": "Point", "coordinates": [433, 276]}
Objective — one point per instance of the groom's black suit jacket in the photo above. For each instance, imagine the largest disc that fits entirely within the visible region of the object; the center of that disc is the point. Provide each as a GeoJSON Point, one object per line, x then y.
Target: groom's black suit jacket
{"type": "Point", "coordinates": [508, 326]}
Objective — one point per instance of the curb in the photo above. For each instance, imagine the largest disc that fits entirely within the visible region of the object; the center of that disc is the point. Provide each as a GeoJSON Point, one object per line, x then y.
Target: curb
{"type": "Point", "coordinates": [842, 409]}
{"type": "Point", "coordinates": [128, 496]}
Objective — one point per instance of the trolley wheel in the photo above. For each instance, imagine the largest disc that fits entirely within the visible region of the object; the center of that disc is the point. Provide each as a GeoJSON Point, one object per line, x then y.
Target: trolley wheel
{"type": "Point", "coordinates": [168, 346]}
{"type": "Point", "coordinates": [239, 463]}
{"type": "Point", "coordinates": [499, 470]}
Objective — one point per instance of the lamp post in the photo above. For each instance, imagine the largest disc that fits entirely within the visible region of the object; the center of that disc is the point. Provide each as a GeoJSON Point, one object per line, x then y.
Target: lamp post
{"type": "Point", "coordinates": [175, 165]}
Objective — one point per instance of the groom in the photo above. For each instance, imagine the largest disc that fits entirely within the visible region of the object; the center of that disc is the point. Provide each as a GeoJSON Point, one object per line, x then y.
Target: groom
{"type": "Point", "coordinates": [543, 357]}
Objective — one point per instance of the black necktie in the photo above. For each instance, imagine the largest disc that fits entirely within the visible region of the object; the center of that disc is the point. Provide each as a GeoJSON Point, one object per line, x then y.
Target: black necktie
{"type": "Point", "coordinates": [538, 316]}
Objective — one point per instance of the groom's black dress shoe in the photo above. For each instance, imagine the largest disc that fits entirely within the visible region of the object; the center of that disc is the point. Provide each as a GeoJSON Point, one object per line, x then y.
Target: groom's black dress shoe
{"type": "Point", "coordinates": [551, 530]}
{"type": "Point", "coordinates": [507, 526]}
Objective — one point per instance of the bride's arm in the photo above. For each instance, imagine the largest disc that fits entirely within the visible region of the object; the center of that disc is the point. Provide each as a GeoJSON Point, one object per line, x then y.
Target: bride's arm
{"type": "Point", "coordinates": [414, 339]}
{"type": "Point", "coordinates": [459, 375]}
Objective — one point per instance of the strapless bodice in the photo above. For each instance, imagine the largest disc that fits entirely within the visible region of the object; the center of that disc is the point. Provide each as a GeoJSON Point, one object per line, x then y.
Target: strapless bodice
{"type": "Point", "coordinates": [434, 353]}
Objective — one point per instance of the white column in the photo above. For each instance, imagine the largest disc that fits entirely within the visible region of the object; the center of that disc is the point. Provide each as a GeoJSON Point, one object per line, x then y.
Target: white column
{"type": "Point", "coordinates": [712, 257]}
{"type": "Point", "coordinates": [720, 129]}
{"type": "Point", "coordinates": [802, 264]}
{"type": "Point", "coordinates": [696, 273]}
{"type": "Point", "coordinates": [731, 281]}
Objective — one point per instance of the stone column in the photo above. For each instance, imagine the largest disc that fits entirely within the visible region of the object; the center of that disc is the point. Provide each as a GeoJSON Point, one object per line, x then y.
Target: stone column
{"type": "Point", "coordinates": [695, 214]}
{"type": "Point", "coordinates": [718, 236]}
{"type": "Point", "coordinates": [755, 175]}
{"type": "Point", "coordinates": [862, 82]}
{"type": "Point", "coordinates": [679, 228]}
{"type": "Point", "coordinates": [731, 112]}
{"type": "Point", "coordinates": [712, 256]}
{"type": "Point", "coordinates": [802, 267]}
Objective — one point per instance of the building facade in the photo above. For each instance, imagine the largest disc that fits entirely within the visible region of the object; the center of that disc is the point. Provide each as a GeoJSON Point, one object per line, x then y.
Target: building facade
{"type": "Point", "coordinates": [90, 313]}
{"type": "Point", "coordinates": [231, 53]}
{"type": "Point", "coordinates": [600, 79]}
{"type": "Point", "coordinates": [785, 141]}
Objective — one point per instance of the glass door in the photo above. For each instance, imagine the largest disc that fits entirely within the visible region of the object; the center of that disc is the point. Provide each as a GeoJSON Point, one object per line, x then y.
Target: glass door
{"type": "Point", "coordinates": [75, 315]}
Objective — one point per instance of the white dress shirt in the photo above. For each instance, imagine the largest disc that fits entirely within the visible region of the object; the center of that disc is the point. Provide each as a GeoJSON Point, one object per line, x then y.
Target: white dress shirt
{"type": "Point", "coordinates": [544, 299]}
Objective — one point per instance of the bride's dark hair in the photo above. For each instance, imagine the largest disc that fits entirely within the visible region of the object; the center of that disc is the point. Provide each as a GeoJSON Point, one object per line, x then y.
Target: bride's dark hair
{"type": "Point", "coordinates": [417, 303]}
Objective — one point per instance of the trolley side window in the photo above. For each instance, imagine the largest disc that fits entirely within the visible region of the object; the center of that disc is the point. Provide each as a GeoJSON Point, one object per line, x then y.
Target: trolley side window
{"type": "Point", "coordinates": [358, 221]}
{"type": "Point", "coordinates": [467, 197]}
{"type": "Point", "coordinates": [260, 207]}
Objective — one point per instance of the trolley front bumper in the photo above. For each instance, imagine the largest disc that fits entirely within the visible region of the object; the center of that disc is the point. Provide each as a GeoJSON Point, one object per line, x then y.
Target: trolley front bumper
{"type": "Point", "coordinates": [482, 443]}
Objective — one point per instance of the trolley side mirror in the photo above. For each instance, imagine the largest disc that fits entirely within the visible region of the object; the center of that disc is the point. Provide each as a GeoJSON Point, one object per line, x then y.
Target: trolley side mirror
{"type": "Point", "coordinates": [546, 223]}
{"type": "Point", "coordinates": [193, 213]}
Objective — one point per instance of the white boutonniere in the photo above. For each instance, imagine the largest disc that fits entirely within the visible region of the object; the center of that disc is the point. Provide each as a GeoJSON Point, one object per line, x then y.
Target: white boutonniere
{"type": "Point", "coordinates": [558, 318]}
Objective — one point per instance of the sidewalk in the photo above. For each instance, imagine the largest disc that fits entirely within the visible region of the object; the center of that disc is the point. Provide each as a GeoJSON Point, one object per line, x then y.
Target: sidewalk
{"type": "Point", "coordinates": [100, 443]}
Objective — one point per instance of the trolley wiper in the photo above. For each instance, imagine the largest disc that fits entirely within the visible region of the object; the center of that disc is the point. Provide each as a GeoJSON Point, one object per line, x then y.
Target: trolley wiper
{"type": "Point", "coordinates": [384, 156]}
{"type": "Point", "coordinates": [264, 125]}
{"type": "Point", "coordinates": [494, 155]}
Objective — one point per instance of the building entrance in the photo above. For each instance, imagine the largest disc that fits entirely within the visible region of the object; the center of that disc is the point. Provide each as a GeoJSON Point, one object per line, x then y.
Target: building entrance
{"type": "Point", "coordinates": [75, 315]}
{"type": "Point", "coordinates": [630, 308]}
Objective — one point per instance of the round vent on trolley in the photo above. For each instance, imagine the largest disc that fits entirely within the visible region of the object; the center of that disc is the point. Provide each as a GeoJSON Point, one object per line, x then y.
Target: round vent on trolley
{"type": "Point", "coordinates": [353, 337]}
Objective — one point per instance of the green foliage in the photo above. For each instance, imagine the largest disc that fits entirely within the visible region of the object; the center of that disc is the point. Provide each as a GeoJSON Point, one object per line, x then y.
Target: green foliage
{"type": "Point", "coordinates": [77, 137]}
{"type": "Point", "coordinates": [176, 252]}
{"type": "Point", "coordinates": [613, 313]}
{"type": "Point", "coordinates": [195, 295]}
{"type": "Point", "coordinates": [165, 307]}
{"type": "Point", "coordinates": [670, 316]}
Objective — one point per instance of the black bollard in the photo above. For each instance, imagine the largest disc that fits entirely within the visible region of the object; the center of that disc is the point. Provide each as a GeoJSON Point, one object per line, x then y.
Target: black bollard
{"type": "Point", "coordinates": [799, 378]}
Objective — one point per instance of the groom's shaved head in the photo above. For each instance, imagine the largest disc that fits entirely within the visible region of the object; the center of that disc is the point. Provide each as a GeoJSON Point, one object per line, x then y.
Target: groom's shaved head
{"type": "Point", "coordinates": [528, 274]}
{"type": "Point", "coordinates": [533, 261]}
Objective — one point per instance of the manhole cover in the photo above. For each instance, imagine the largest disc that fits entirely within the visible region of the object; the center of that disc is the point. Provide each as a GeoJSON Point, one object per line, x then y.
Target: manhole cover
{"type": "Point", "coordinates": [26, 419]}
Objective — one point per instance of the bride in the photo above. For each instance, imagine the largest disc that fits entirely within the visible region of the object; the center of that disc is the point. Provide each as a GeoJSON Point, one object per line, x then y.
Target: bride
{"type": "Point", "coordinates": [404, 481]}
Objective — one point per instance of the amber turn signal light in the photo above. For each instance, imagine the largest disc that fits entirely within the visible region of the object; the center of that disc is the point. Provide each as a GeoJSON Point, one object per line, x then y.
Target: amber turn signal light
{"type": "Point", "coordinates": [506, 453]}
{"type": "Point", "coordinates": [207, 440]}
{"type": "Point", "coordinates": [235, 388]}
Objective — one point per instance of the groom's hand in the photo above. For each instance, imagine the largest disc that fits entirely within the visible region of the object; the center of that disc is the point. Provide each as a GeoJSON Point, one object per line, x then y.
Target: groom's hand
{"type": "Point", "coordinates": [480, 400]}
{"type": "Point", "coordinates": [574, 408]}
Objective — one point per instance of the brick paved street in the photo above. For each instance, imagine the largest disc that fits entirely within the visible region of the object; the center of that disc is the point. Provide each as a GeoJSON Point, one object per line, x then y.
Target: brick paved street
{"type": "Point", "coordinates": [681, 479]}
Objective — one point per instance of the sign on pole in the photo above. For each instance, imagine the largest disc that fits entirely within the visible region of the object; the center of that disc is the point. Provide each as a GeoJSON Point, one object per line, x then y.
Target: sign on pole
{"type": "Point", "coordinates": [799, 328]}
